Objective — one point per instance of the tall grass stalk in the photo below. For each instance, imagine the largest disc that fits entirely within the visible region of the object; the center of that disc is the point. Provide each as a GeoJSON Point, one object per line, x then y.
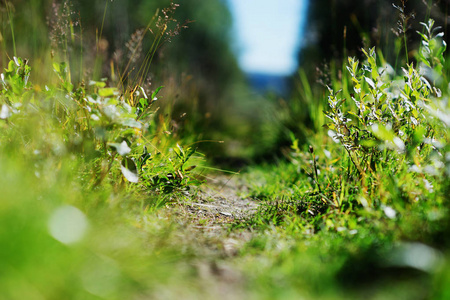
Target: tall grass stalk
{"type": "Point", "coordinates": [137, 81]}
{"type": "Point", "coordinates": [11, 24]}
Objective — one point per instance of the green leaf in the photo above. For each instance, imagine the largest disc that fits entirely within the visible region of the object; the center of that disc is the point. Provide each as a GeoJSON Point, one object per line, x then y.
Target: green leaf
{"type": "Point", "coordinates": [365, 52]}
{"type": "Point", "coordinates": [190, 152]}
{"type": "Point", "coordinates": [107, 92]}
{"type": "Point", "coordinates": [368, 143]}
{"type": "Point", "coordinates": [419, 134]}
{"type": "Point", "coordinates": [423, 36]}
{"type": "Point", "coordinates": [156, 92]}
{"type": "Point", "coordinates": [99, 84]}
{"type": "Point", "coordinates": [143, 102]}
{"type": "Point", "coordinates": [56, 67]}
{"type": "Point", "coordinates": [180, 152]}
{"type": "Point", "coordinates": [354, 114]}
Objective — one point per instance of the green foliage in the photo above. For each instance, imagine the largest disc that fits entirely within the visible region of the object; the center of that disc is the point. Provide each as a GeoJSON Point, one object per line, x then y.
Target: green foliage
{"type": "Point", "coordinates": [431, 52]}
{"type": "Point", "coordinates": [382, 155]}
{"type": "Point", "coordinates": [370, 190]}
{"type": "Point", "coordinates": [110, 130]}
{"type": "Point", "coordinates": [188, 46]}
{"type": "Point", "coordinates": [388, 125]}
{"type": "Point", "coordinates": [382, 115]}
{"type": "Point", "coordinates": [15, 79]}
{"type": "Point", "coordinates": [80, 161]}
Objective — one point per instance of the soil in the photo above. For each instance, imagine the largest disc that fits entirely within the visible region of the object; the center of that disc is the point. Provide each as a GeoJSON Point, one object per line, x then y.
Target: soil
{"type": "Point", "coordinates": [204, 219]}
{"type": "Point", "coordinates": [217, 204]}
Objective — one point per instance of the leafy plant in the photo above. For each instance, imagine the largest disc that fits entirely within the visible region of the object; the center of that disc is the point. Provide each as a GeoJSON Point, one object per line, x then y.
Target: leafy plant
{"type": "Point", "coordinates": [15, 79]}
{"type": "Point", "coordinates": [431, 53]}
{"type": "Point", "coordinates": [387, 152]}
{"type": "Point", "coordinates": [110, 127]}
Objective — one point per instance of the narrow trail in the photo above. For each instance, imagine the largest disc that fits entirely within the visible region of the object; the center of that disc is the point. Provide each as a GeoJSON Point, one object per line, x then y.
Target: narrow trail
{"type": "Point", "coordinates": [221, 201]}
{"type": "Point", "coordinates": [203, 223]}
{"type": "Point", "coordinates": [203, 219]}
{"type": "Point", "coordinates": [216, 205]}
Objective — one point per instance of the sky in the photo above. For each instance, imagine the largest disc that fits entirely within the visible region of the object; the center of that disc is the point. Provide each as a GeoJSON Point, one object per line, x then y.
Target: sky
{"type": "Point", "coordinates": [268, 34]}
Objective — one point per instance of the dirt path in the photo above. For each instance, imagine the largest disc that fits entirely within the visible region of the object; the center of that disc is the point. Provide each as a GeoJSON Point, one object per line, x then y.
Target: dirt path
{"type": "Point", "coordinates": [217, 204]}
{"type": "Point", "coordinates": [221, 201]}
{"type": "Point", "coordinates": [204, 221]}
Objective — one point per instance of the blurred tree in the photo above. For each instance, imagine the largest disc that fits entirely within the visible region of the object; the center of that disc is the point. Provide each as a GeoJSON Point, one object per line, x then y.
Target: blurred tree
{"type": "Point", "coordinates": [336, 29]}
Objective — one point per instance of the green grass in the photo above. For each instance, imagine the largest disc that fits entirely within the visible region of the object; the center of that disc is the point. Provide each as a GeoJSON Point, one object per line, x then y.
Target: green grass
{"type": "Point", "coordinates": [366, 203]}
{"type": "Point", "coordinates": [92, 174]}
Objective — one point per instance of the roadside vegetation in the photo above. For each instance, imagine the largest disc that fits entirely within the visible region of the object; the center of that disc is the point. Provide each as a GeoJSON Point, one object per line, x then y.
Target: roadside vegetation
{"type": "Point", "coordinates": [370, 186]}
{"type": "Point", "coordinates": [101, 169]}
